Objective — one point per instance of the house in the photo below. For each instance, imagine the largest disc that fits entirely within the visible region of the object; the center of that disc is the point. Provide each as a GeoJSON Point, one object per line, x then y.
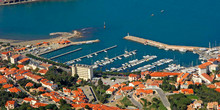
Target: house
{"type": "Point", "coordinates": [159, 75]}
{"type": "Point", "coordinates": [144, 74]}
{"type": "Point", "coordinates": [140, 93]}
{"type": "Point", "coordinates": [24, 61]}
{"type": "Point", "coordinates": [133, 77]}
{"type": "Point", "coordinates": [66, 91]}
{"type": "Point", "coordinates": [48, 84]}
{"type": "Point", "coordinates": [110, 91]}
{"type": "Point", "coordinates": [15, 58]}
{"type": "Point", "coordinates": [21, 67]}
{"type": "Point", "coordinates": [116, 86]}
{"type": "Point", "coordinates": [42, 71]}
{"type": "Point", "coordinates": [33, 77]}
{"type": "Point", "coordinates": [204, 68]}
{"type": "Point", "coordinates": [182, 77]}
{"type": "Point", "coordinates": [14, 90]}
{"type": "Point", "coordinates": [11, 105]}
{"type": "Point", "coordinates": [37, 105]}
{"type": "Point", "coordinates": [187, 91]}
{"type": "Point", "coordinates": [7, 86]}
{"type": "Point", "coordinates": [197, 104]}
{"type": "Point", "coordinates": [126, 89]}
{"type": "Point", "coordinates": [213, 67]}
{"type": "Point", "coordinates": [212, 106]}
{"type": "Point", "coordinates": [45, 66]}
{"type": "Point", "coordinates": [134, 84]}
{"type": "Point", "coordinates": [27, 100]}
{"type": "Point", "coordinates": [206, 78]}
{"type": "Point", "coordinates": [153, 83]}
{"type": "Point", "coordinates": [29, 85]}
{"type": "Point", "coordinates": [217, 77]}
{"type": "Point", "coordinates": [5, 55]}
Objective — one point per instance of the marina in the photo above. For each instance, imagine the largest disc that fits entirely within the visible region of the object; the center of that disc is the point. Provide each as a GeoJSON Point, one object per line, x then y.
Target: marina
{"type": "Point", "coordinates": [108, 61]}
{"type": "Point", "coordinates": [133, 63]}
{"type": "Point", "coordinates": [66, 53]}
{"type": "Point", "coordinates": [89, 55]}
{"type": "Point", "coordinates": [162, 45]}
{"type": "Point", "coordinates": [153, 65]}
{"type": "Point", "coordinates": [72, 43]}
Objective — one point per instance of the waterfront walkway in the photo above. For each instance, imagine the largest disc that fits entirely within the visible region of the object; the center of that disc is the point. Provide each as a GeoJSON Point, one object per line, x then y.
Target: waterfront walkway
{"type": "Point", "coordinates": [161, 45]}
{"type": "Point", "coordinates": [66, 53]}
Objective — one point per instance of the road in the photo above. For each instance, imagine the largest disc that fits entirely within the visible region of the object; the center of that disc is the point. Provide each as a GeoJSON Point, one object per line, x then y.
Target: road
{"type": "Point", "coordinates": [136, 103]}
{"type": "Point", "coordinates": [163, 97]}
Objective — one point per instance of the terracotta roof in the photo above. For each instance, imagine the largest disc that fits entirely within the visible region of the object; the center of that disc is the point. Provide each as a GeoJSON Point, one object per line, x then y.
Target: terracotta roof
{"type": "Point", "coordinates": [136, 83]}
{"type": "Point", "coordinates": [218, 89]}
{"type": "Point", "coordinates": [20, 66]}
{"type": "Point", "coordinates": [163, 74]}
{"type": "Point", "coordinates": [133, 75]}
{"type": "Point", "coordinates": [15, 56]}
{"type": "Point", "coordinates": [37, 105]}
{"type": "Point", "coordinates": [187, 91]}
{"type": "Point", "coordinates": [126, 88]}
{"type": "Point", "coordinates": [28, 99]}
{"type": "Point", "coordinates": [207, 77]}
{"type": "Point", "coordinates": [14, 89]}
{"type": "Point", "coordinates": [11, 102]}
{"type": "Point", "coordinates": [111, 90]}
{"type": "Point", "coordinates": [43, 71]}
{"type": "Point", "coordinates": [78, 81]}
{"type": "Point", "coordinates": [3, 81]}
{"type": "Point", "coordinates": [212, 86]}
{"type": "Point", "coordinates": [46, 65]}
{"type": "Point", "coordinates": [5, 53]}
{"type": "Point", "coordinates": [7, 86]}
{"type": "Point", "coordinates": [19, 77]}
{"type": "Point", "coordinates": [142, 91]}
{"type": "Point", "coordinates": [23, 60]}
{"type": "Point", "coordinates": [29, 84]}
{"type": "Point", "coordinates": [204, 65]}
{"type": "Point", "coordinates": [141, 86]}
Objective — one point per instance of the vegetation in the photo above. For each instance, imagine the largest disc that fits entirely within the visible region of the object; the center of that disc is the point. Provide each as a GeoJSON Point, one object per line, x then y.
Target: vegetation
{"type": "Point", "coordinates": [48, 61]}
{"type": "Point", "coordinates": [206, 94]}
{"type": "Point", "coordinates": [166, 86]}
{"type": "Point", "coordinates": [64, 79]}
{"type": "Point", "coordinates": [100, 91]}
{"type": "Point", "coordinates": [126, 102]}
{"type": "Point", "coordinates": [25, 81]}
{"type": "Point", "coordinates": [179, 101]}
{"type": "Point", "coordinates": [5, 96]}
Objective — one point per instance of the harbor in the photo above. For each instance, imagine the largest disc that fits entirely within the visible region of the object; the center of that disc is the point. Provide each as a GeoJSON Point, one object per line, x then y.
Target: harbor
{"type": "Point", "coordinates": [108, 61]}
{"type": "Point", "coordinates": [133, 63]}
{"type": "Point", "coordinates": [153, 65]}
{"type": "Point", "coordinates": [162, 45]}
{"type": "Point", "coordinates": [67, 45]}
{"type": "Point", "coordinates": [66, 53]}
{"type": "Point", "coordinates": [89, 55]}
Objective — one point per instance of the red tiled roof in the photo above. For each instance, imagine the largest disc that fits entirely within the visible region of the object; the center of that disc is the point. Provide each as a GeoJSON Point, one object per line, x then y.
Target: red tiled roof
{"type": "Point", "coordinates": [10, 102]}
{"type": "Point", "coordinates": [15, 56]}
{"type": "Point", "coordinates": [20, 66]}
{"type": "Point", "coordinates": [187, 91]}
{"type": "Point", "coordinates": [126, 88]}
{"type": "Point", "coordinates": [7, 86]}
{"type": "Point", "coordinates": [29, 84]}
{"type": "Point", "coordinates": [163, 74]}
{"type": "Point", "coordinates": [14, 89]}
{"type": "Point", "coordinates": [111, 89]}
{"type": "Point", "coordinates": [43, 71]}
{"type": "Point", "coordinates": [24, 60]}
{"type": "Point", "coordinates": [212, 86]}
{"type": "Point", "coordinates": [204, 65]}
{"type": "Point", "coordinates": [133, 75]}
{"type": "Point", "coordinates": [207, 77]}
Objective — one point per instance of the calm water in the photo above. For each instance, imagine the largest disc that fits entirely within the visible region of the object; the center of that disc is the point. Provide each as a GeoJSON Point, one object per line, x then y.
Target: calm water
{"type": "Point", "coordinates": [186, 22]}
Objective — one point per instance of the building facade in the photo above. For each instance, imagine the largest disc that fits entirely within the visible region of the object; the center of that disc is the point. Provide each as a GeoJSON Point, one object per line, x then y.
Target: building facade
{"type": "Point", "coordinates": [84, 71]}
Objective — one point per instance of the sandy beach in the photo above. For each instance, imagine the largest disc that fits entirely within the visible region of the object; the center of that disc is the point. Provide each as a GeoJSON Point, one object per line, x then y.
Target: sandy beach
{"type": "Point", "coordinates": [34, 42]}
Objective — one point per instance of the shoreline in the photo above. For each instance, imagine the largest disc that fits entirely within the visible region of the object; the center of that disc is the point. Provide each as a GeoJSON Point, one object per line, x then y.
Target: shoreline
{"type": "Point", "coordinates": [61, 35]}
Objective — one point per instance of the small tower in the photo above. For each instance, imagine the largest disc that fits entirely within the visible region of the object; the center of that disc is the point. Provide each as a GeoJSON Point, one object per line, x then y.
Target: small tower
{"type": "Point", "coordinates": [128, 34]}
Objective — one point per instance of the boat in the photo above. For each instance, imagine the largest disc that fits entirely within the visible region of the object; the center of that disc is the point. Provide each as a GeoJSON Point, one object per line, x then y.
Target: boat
{"type": "Point", "coordinates": [162, 11]}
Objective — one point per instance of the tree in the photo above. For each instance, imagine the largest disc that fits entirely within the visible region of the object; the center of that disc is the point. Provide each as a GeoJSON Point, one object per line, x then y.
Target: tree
{"type": "Point", "coordinates": [87, 107]}
{"type": "Point", "coordinates": [113, 78]}
{"type": "Point", "coordinates": [147, 77]}
{"type": "Point", "coordinates": [100, 83]}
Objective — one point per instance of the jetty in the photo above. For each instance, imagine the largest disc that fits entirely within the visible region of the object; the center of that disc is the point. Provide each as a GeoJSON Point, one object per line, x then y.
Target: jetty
{"type": "Point", "coordinates": [65, 53]}
{"type": "Point", "coordinates": [90, 55]}
{"type": "Point", "coordinates": [161, 45]}
{"type": "Point", "coordinates": [72, 43]}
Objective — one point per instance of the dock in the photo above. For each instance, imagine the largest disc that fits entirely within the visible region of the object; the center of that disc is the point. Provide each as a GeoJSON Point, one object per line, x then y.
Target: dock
{"type": "Point", "coordinates": [94, 53]}
{"type": "Point", "coordinates": [65, 53]}
{"type": "Point", "coordinates": [112, 59]}
{"type": "Point", "coordinates": [72, 43]}
{"type": "Point", "coordinates": [161, 45]}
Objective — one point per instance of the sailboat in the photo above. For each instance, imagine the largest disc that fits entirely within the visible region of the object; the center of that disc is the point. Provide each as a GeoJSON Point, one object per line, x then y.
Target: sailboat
{"type": "Point", "coordinates": [104, 25]}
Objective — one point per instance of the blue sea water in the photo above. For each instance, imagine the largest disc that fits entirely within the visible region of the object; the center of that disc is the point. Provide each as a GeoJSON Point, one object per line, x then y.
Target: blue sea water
{"type": "Point", "coordinates": [194, 23]}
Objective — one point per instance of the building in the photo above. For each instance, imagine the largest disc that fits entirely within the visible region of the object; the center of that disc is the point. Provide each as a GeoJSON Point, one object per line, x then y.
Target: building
{"type": "Point", "coordinates": [206, 78]}
{"type": "Point", "coordinates": [11, 105]}
{"type": "Point", "coordinates": [212, 106]}
{"type": "Point", "coordinates": [84, 71]}
{"type": "Point", "coordinates": [15, 58]}
{"type": "Point", "coordinates": [204, 68]}
{"type": "Point", "coordinates": [5, 55]}
{"type": "Point", "coordinates": [24, 61]}
{"type": "Point", "coordinates": [133, 77]}
{"type": "Point", "coordinates": [159, 75]}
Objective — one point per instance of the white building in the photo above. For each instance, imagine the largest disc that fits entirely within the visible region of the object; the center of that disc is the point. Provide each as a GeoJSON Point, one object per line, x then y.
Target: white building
{"type": "Point", "coordinates": [84, 71]}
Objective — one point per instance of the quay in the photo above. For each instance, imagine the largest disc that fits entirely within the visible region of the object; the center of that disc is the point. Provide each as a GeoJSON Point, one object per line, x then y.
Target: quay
{"type": "Point", "coordinates": [66, 53]}
{"type": "Point", "coordinates": [94, 53]}
{"type": "Point", "coordinates": [162, 45]}
{"type": "Point", "coordinates": [72, 43]}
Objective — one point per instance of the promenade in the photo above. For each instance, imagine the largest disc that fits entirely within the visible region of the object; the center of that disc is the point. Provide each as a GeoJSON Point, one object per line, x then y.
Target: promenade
{"type": "Point", "coordinates": [161, 45]}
